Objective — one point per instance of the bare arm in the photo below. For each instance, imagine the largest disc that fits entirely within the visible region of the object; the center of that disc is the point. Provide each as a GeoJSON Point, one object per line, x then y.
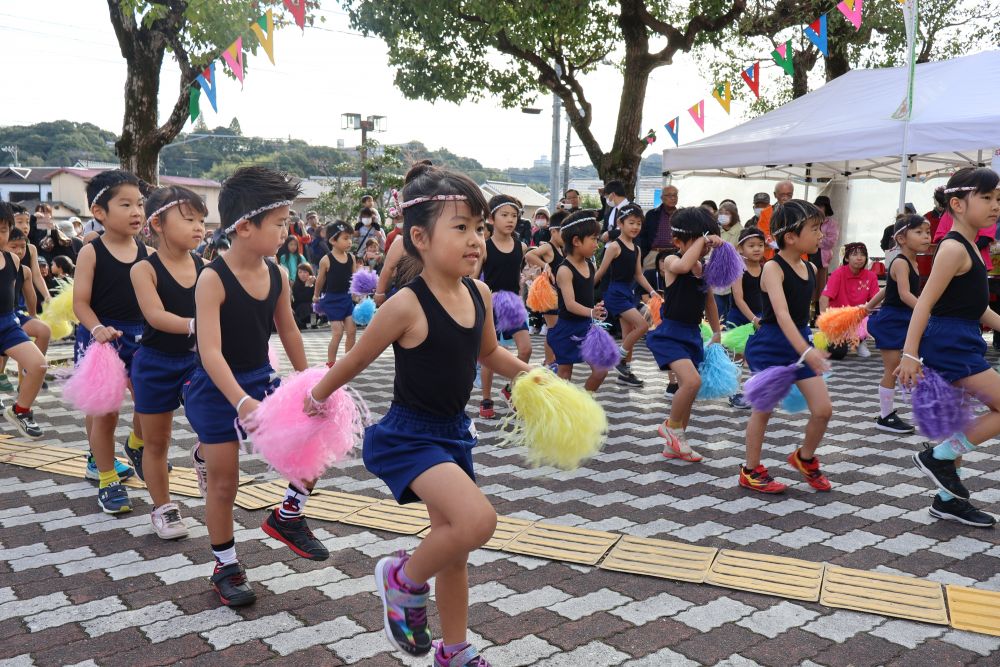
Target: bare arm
{"type": "Point", "coordinates": [712, 315]}
{"type": "Point", "coordinates": [288, 331]}
{"type": "Point", "coordinates": [740, 302]}
{"type": "Point", "coordinates": [324, 266]}
{"type": "Point", "coordinates": [144, 283]}
{"type": "Point", "coordinates": [880, 297]}
{"type": "Point", "coordinates": [83, 285]}
{"type": "Point", "coordinates": [564, 279]}
{"type": "Point", "coordinates": [392, 257]}
{"type": "Point", "coordinates": [36, 274]}
{"type": "Point", "coordinates": [611, 251]}
{"type": "Point", "coordinates": [28, 291]}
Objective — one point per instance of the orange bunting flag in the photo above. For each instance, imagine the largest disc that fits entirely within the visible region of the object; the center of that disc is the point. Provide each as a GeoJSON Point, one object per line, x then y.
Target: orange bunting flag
{"type": "Point", "coordinates": [751, 75]}
{"type": "Point", "coordinates": [264, 29]}
{"type": "Point", "coordinates": [783, 55]}
{"type": "Point", "coordinates": [723, 94]}
{"type": "Point", "coordinates": [698, 113]}
{"type": "Point", "coordinates": [233, 56]}
{"type": "Point", "coordinates": [851, 9]}
{"type": "Point", "coordinates": [298, 10]}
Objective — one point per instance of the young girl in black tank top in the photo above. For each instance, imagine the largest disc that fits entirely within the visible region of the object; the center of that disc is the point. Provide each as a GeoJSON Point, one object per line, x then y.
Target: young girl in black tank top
{"type": "Point", "coordinates": [784, 338]}
{"type": "Point", "coordinates": [332, 296]}
{"type": "Point", "coordinates": [439, 325]}
{"type": "Point", "coordinates": [887, 326]}
{"type": "Point", "coordinates": [547, 257]}
{"type": "Point", "coordinates": [164, 285]}
{"type": "Point", "coordinates": [575, 287]}
{"type": "Point", "coordinates": [944, 335]}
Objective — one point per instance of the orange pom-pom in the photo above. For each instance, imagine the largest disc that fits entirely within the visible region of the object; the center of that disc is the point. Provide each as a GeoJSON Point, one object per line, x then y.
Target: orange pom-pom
{"type": "Point", "coordinates": [655, 302]}
{"type": "Point", "coordinates": [542, 296]}
{"type": "Point", "coordinates": [841, 324]}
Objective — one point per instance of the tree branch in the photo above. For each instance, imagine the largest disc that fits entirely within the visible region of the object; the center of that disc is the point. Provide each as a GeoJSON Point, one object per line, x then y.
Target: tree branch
{"type": "Point", "coordinates": [125, 28]}
{"type": "Point", "coordinates": [683, 41]}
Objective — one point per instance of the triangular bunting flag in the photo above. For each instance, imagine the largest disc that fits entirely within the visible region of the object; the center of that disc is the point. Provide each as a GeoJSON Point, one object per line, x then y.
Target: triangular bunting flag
{"type": "Point", "coordinates": [264, 29]}
{"type": "Point", "coordinates": [674, 130]}
{"type": "Point", "coordinates": [851, 9]}
{"type": "Point", "coordinates": [783, 55]}
{"type": "Point", "coordinates": [723, 94]}
{"type": "Point", "coordinates": [751, 75]}
{"type": "Point", "coordinates": [298, 10]}
{"type": "Point", "coordinates": [816, 33]}
{"type": "Point", "coordinates": [194, 100]}
{"type": "Point", "coordinates": [698, 113]}
{"type": "Point", "coordinates": [207, 82]}
{"type": "Point", "coordinates": [234, 58]}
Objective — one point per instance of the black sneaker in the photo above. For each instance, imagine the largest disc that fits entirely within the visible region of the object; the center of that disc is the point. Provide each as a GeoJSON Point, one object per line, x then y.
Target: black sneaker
{"type": "Point", "coordinates": [230, 582]}
{"type": "Point", "coordinates": [629, 379]}
{"type": "Point", "coordinates": [296, 535]}
{"type": "Point", "coordinates": [961, 511]}
{"type": "Point", "coordinates": [739, 402]}
{"type": "Point", "coordinates": [942, 472]}
{"type": "Point", "coordinates": [672, 388]}
{"type": "Point", "coordinates": [23, 422]}
{"type": "Point", "coordinates": [135, 456]}
{"type": "Point", "coordinates": [893, 424]}
{"type": "Point", "coordinates": [623, 369]}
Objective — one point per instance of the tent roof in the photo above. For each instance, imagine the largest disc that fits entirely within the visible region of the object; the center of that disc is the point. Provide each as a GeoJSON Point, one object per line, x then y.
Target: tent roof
{"type": "Point", "coordinates": [846, 127]}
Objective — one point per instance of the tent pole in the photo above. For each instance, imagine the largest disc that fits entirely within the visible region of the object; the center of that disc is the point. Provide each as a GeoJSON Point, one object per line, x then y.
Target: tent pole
{"type": "Point", "coordinates": [910, 14]}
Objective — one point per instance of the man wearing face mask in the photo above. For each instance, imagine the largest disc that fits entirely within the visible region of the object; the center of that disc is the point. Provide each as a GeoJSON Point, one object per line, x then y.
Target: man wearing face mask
{"type": "Point", "coordinates": [614, 197]}
{"type": "Point", "coordinates": [761, 200]}
{"type": "Point", "coordinates": [367, 228]}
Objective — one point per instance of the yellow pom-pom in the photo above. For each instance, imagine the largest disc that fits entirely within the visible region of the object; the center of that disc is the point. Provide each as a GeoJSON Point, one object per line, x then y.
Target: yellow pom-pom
{"type": "Point", "coordinates": [58, 313]}
{"type": "Point", "coordinates": [841, 324]}
{"type": "Point", "coordinates": [541, 295]}
{"type": "Point", "coordinates": [560, 424]}
{"type": "Point", "coordinates": [819, 341]}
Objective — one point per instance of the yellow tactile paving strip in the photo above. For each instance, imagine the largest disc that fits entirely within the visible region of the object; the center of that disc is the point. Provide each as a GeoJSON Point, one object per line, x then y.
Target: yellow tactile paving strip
{"type": "Point", "coordinates": [334, 506]}
{"type": "Point", "coordinates": [974, 610]}
{"type": "Point", "coordinates": [29, 455]}
{"type": "Point", "coordinates": [507, 529]}
{"type": "Point", "coordinates": [660, 558]}
{"type": "Point", "coordinates": [563, 543]}
{"type": "Point", "coordinates": [260, 496]}
{"type": "Point", "coordinates": [885, 594]}
{"type": "Point", "coordinates": [387, 515]}
{"type": "Point", "coordinates": [772, 575]}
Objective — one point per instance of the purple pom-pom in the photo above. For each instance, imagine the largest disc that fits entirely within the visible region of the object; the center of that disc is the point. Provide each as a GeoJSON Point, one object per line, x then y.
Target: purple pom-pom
{"type": "Point", "coordinates": [724, 267]}
{"type": "Point", "coordinates": [509, 311]}
{"type": "Point", "coordinates": [316, 308]}
{"type": "Point", "coordinates": [765, 390]}
{"type": "Point", "coordinates": [939, 408]}
{"type": "Point", "coordinates": [599, 349]}
{"type": "Point", "coordinates": [364, 282]}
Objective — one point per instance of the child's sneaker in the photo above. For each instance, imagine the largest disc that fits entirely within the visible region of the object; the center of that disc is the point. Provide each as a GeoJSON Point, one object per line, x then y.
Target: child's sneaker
{"type": "Point", "coordinates": [230, 583]}
{"type": "Point", "coordinates": [739, 402]}
{"type": "Point", "coordinates": [467, 657]}
{"type": "Point", "coordinates": [893, 424]}
{"type": "Point", "coordinates": [91, 473]}
{"type": "Point", "coordinates": [760, 480]}
{"type": "Point", "coordinates": [505, 394]}
{"type": "Point", "coordinates": [810, 470]}
{"type": "Point", "coordinates": [296, 535]}
{"type": "Point", "coordinates": [5, 383]}
{"type": "Point", "coordinates": [942, 472]}
{"type": "Point", "coordinates": [405, 617]}
{"type": "Point", "coordinates": [486, 410]}
{"type": "Point", "coordinates": [24, 422]}
{"type": "Point", "coordinates": [113, 499]}
{"type": "Point", "coordinates": [135, 456]}
{"type": "Point", "coordinates": [200, 469]}
{"type": "Point", "coordinates": [961, 511]}
{"type": "Point", "coordinates": [554, 367]}
{"type": "Point", "coordinates": [677, 446]}
{"type": "Point", "coordinates": [167, 522]}
{"type": "Point", "coordinates": [672, 389]}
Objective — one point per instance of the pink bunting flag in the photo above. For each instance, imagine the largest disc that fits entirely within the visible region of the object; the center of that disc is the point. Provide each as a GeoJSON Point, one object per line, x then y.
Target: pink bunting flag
{"type": "Point", "coordinates": [783, 55]}
{"type": "Point", "coordinates": [674, 129]}
{"type": "Point", "coordinates": [207, 82]}
{"type": "Point", "coordinates": [298, 10]}
{"type": "Point", "coordinates": [698, 113]}
{"type": "Point", "coordinates": [751, 76]}
{"type": "Point", "coordinates": [851, 9]}
{"type": "Point", "coordinates": [723, 94]}
{"type": "Point", "coordinates": [234, 58]}
{"type": "Point", "coordinates": [264, 29]}
{"type": "Point", "coordinates": [816, 33]}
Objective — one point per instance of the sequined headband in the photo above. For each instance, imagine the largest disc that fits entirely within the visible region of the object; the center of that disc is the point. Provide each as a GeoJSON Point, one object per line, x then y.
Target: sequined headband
{"type": "Point", "coordinates": [149, 220]}
{"type": "Point", "coordinates": [578, 221]}
{"type": "Point", "coordinates": [964, 188]}
{"type": "Point", "coordinates": [257, 211]}
{"type": "Point", "coordinates": [506, 203]}
{"type": "Point", "coordinates": [757, 234]}
{"type": "Point", "coordinates": [422, 200]}
{"type": "Point", "coordinates": [102, 191]}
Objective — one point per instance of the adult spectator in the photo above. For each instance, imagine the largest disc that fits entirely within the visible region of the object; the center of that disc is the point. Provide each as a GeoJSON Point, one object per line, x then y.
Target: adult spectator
{"type": "Point", "coordinates": [523, 227]}
{"type": "Point", "coordinates": [710, 206]}
{"type": "Point", "coordinates": [396, 218]}
{"type": "Point", "coordinates": [730, 228]}
{"type": "Point", "coordinates": [761, 200]}
{"type": "Point", "coordinates": [783, 192]}
{"type": "Point", "coordinates": [540, 230]}
{"type": "Point", "coordinates": [312, 222]}
{"type": "Point", "coordinates": [367, 228]}
{"type": "Point", "coordinates": [933, 216]}
{"type": "Point", "coordinates": [656, 234]}
{"type": "Point", "coordinates": [615, 198]}
{"type": "Point", "coordinates": [369, 202]}
{"type": "Point", "coordinates": [572, 200]}
{"type": "Point", "coordinates": [822, 258]}
{"type": "Point", "coordinates": [42, 223]}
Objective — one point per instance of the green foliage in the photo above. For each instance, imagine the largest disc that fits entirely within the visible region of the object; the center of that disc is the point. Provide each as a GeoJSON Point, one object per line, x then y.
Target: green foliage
{"type": "Point", "coordinates": [59, 143]}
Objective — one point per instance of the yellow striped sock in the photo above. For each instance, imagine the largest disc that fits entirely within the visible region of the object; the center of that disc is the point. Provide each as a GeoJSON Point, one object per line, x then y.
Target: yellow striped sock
{"type": "Point", "coordinates": [107, 478]}
{"type": "Point", "coordinates": [134, 441]}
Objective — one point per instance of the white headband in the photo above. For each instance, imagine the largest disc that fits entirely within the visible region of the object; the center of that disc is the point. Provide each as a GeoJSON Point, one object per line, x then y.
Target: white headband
{"type": "Point", "coordinates": [422, 200]}
{"type": "Point", "coordinates": [108, 187]}
{"type": "Point", "coordinates": [506, 203]}
{"type": "Point", "coordinates": [163, 208]}
{"type": "Point", "coordinates": [257, 211]}
{"type": "Point", "coordinates": [964, 188]}
{"type": "Point", "coordinates": [589, 219]}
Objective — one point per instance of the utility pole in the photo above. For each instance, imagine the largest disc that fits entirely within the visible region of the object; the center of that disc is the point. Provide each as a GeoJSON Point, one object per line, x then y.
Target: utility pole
{"type": "Point", "coordinates": [12, 149]}
{"type": "Point", "coordinates": [569, 136]}
{"type": "Point", "coordinates": [554, 162]}
{"type": "Point", "coordinates": [353, 121]}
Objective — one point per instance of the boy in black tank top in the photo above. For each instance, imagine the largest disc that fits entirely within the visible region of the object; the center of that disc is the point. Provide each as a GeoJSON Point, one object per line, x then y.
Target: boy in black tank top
{"type": "Point", "coordinates": [106, 306]}
{"type": "Point", "coordinates": [784, 338]}
{"type": "Point", "coordinates": [332, 296]}
{"type": "Point", "coordinates": [237, 298]}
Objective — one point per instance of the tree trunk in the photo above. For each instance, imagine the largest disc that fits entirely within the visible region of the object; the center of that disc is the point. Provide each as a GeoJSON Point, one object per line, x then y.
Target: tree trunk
{"type": "Point", "coordinates": [802, 63]}
{"type": "Point", "coordinates": [140, 142]}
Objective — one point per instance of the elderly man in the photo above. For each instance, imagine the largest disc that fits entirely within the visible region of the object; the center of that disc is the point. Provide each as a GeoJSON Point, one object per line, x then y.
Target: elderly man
{"type": "Point", "coordinates": [656, 234]}
{"type": "Point", "coordinates": [783, 191]}
{"type": "Point", "coordinates": [571, 200]}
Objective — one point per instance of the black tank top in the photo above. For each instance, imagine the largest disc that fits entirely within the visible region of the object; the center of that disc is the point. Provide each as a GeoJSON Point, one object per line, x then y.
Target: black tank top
{"type": "Point", "coordinates": [8, 285]}
{"type": "Point", "coordinates": [583, 291]}
{"type": "Point", "coordinates": [684, 299]}
{"type": "Point", "coordinates": [175, 299]}
{"type": "Point", "coordinates": [502, 270]}
{"type": "Point", "coordinates": [19, 302]}
{"type": "Point", "coordinates": [798, 294]}
{"type": "Point", "coordinates": [967, 296]}
{"type": "Point", "coordinates": [557, 258]}
{"type": "Point", "coordinates": [338, 275]}
{"type": "Point", "coordinates": [112, 296]}
{"type": "Point", "coordinates": [623, 266]}
{"type": "Point", "coordinates": [751, 292]}
{"type": "Point", "coordinates": [245, 322]}
{"type": "Point", "coordinates": [892, 289]}
{"type": "Point", "coordinates": [436, 376]}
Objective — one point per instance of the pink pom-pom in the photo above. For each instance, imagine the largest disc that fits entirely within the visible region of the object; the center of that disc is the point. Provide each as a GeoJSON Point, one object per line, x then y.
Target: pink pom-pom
{"type": "Point", "coordinates": [509, 311]}
{"type": "Point", "coordinates": [298, 446]}
{"type": "Point", "coordinates": [364, 282]}
{"type": "Point", "coordinates": [940, 409]}
{"type": "Point", "coordinates": [97, 385]}
{"type": "Point", "coordinates": [599, 349]}
{"type": "Point", "coordinates": [724, 267]}
{"type": "Point", "coordinates": [273, 358]}
{"type": "Point", "coordinates": [766, 389]}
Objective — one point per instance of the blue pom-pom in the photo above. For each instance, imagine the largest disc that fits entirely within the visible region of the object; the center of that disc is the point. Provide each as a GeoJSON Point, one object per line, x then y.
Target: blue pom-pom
{"type": "Point", "coordinates": [795, 401]}
{"type": "Point", "coordinates": [720, 377]}
{"type": "Point", "coordinates": [364, 311]}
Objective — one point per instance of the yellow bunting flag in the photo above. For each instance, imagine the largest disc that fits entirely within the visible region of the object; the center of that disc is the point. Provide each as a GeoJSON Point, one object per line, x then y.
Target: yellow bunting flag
{"type": "Point", "coordinates": [264, 29]}
{"type": "Point", "coordinates": [723, 94]}
{"type": "Point", "coordinates": [233, 56]}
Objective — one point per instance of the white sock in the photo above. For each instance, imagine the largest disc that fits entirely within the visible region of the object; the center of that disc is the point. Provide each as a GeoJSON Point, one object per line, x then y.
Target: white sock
{"type": "Point", "coordinates": [885, 399]}
{"type": "Point", "coordinates": [295, 501]}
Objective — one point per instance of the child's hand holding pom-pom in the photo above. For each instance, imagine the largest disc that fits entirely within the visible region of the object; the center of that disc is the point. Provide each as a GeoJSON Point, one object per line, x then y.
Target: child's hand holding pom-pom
{"type": "Point", "coordinates": [599, 349]}
{"type": "Point", "coordinates": [655, 304]}
{"type": "Point", "coordinates": [364, 311]}
{"type": "Point", "coordinates": [98, 383]}
{"type": "Point", "coordinates": [939, 408]}
{"type": "Point", "coordinates": [724, 267]}
{"type": "Point", "coordinates": [841, 325]}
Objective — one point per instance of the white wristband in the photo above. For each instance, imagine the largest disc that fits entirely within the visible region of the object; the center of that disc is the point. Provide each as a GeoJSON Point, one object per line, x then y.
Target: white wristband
{"type": "Point", "coordinates": [919, 360]}
{"type": "Point", "coordinates": [239, 404]}
{"type": "Point", "coordinates": [99, 326]}
{"type": "Point", "coordinates": [803, 357]}
{"type": "Point", "coordinates": [191, 327]}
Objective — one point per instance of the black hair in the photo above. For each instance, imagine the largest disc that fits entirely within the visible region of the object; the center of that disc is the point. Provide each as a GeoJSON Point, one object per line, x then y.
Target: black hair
{"type": "Point", "coordinates": [579, 225]}
{"type": "Point", "coordinates": [6, 214]}
{"type": "Point", "coordinates": [569, 190]}
{"type": "Point", "coordinates": [558, 218]}
{"type": "Point", "coordinates": [335, 229]}
{"type": "Point", "coordinates": [366, 211]}
{"type": "Point", "coordinates": [711, 204]}
{"type": "Point", "coordinates": [663, 254]}
{"type": "Point", "coordinates": [249, 188]}
{"type": "Point", "coordinates": [630, 209]}
{"type": "Point", "coordinates": [823, 203]}
{"type": "Point", "coordinates": [426, 180]}
{"type": "Point", "coordinates": [109, 182]}
{"type": "Point", "coordinates": [908, 221]}
{"type": "Point", "coordinates": [690, 222]}
{"type": "Point", "coordinates": [16, 235]}
{"type": "Point", "coordinates": [792, 216]}
{"type": "Point", "coordinates": [614, 187]}
{"type": "Point", "coordinates": [17, 209]}
{"type": "Point", "coordinates": [65, 264]}
{"type": "Point", "coordinates": [750, 233]}
{"type": "Point", "coordinates": [304, 266]}
{"type": "Point", "coordinates": [939, 197]}
{"type": "Point", "coordinates": [163, 196]}
{"type": "Point", "coordinates": [497, 201]}
{"type": "Point", "coordinates": [851, 248]}
{"type": "Point", "coordinates": [980, 180]}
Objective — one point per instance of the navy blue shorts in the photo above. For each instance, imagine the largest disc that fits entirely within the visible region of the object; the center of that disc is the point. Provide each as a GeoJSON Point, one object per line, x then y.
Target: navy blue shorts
{"type": "Point", "coordinates": [888, 327]}
{"type": "Point", "coordinates": [736, 318]}
{"type": "Point", "coordinates": [335, 306]}
{"type": "Point", "coordinates": [210, 414]}
{"type": "Point", "coordinates": [619, 297]}
{"type": "Point", "coordinates": [11, 333]}
{"type": "Point", "coordinates": [509, 333]}
{"type": "Point", "coordinates": [127, 344]}
{"type": "Point", "coordinates": [23, 317]}
{"type": "Point", "coordinates": [673, 341]}
{"type": "Point", "coordinates": [158, 379]}
{"type": "Point", "coordinates": [406, 443]}
{"type": "Point", "coordinates": [954, 347]}
{"type": "Point", "coordinates": [565, 338]}
{"type": "Point", "coordinates": [768, 347]}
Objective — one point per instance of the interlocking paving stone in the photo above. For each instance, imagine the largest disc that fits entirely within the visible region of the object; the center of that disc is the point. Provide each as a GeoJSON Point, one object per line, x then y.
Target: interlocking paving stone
{"type": "Point", "coordinates": [74, 613]}
{"type": "Point", "coordinates": [130, 619]}
{"type": "Point", "coordinates": [715, 613]}
{"type": "Point", "coordinates": [299, 639]}
{"type": "Point", "coordinates": [842, 625]}
{"type": "Point", "coordinates": [244, 631]}
{"type": "Point", "coordinates": [641, 612]}
{"type": "Point", "coordinates": [527, 650]}
{"type": "Point", "coordinates": [591, 603]}
{"type": "Point", "coordinates": [536, 599]}
{"type": "Point", "coordinates": [778, 619]}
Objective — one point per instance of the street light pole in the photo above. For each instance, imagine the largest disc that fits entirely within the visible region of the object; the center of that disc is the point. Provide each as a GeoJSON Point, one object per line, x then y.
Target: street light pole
{"type": "Point", "coordinates": [353, 121]}
{"type": "Point", "coordinates": [554, 162]}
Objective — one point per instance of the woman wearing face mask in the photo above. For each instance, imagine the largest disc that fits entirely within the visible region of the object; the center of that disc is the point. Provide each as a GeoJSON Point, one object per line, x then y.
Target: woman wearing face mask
{"type": "Point", "coordinates": [540, 228]}
{"type": "Point", "coordinates": [367, 228]}
{"type": "Point", "coordinates": [730, 227]}
{"type": "Point", "coordinates": [853, 284]}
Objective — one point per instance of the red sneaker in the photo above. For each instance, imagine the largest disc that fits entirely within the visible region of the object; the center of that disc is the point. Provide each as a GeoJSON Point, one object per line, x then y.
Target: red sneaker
{"type": "Point", "coordinates": [486, 410]}
{"type": "Point", "coordinates": [810, 470]}
{"type": "Point", "coordinates": [760, 480]}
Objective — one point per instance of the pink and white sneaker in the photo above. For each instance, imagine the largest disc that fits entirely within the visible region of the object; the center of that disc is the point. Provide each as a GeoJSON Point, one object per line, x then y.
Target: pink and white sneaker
{"type": "Point", "coordinates": [676, 445]}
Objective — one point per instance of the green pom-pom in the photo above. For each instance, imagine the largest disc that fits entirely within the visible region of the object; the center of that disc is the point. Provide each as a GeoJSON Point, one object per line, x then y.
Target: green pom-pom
{"type": "Point", "coordinates": [706, 332]}
{"type": "Point", "coordinates": [736, 339]}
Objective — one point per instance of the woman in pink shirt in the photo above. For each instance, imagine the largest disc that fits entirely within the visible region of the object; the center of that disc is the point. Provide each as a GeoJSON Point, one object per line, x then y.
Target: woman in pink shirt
{"type": "Point", "coordinates": [853, 284]}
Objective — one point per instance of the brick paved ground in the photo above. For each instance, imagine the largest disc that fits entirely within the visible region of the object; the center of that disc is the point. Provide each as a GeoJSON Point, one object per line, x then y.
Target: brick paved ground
{"type": "Point", "coordinates": [79, 587]}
